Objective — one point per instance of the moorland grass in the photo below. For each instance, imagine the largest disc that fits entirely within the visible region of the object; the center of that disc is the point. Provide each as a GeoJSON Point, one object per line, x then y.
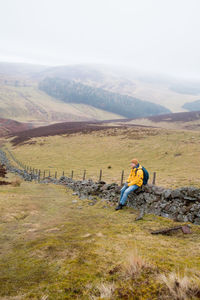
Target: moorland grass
{"type": "Point", "coordinates": [52, 247]}
{"type": "Point", "coordinates": [174, 155]}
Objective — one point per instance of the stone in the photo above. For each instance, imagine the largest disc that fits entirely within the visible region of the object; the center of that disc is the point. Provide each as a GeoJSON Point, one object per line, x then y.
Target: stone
{"type": "Point", "coordinates": [181, 218]}
{"type": "Point", "coordinates": [176, 194]}
{"type": "Point", "coordinates": [197, 221]}
{"type": "Point", "coordinates": [165, 215]}
{"type": "Point", "coordinates": [166, 194]}
{"type": "Point", "coordinates": [189, 198]}
{"type": "Point", "coordinates": [149, 198]}
{"type": "Point", "coordinates": [190, 217]}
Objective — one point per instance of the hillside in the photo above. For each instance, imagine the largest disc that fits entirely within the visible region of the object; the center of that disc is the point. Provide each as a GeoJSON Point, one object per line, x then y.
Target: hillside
{"type": "Point", "coordinates": [57, 246]}
{"type": "Point", "coordinates": [92, 147]}
{"type": "Point", "coordinates": [29, 104]}
{"type": "Point", "coordinates": [155, 88]}
{"type": "Point", "coordinates": [58, 129]}
{"type": "Point", "coordinates": [8, 126]}
{"type": "Point", "coordinates": [21, 100]}
{"type": "Point", "coordinates": [20, 69]}
{"type": "Point", "coordinates": [190, 88]}
{"type": "Point", "coordinates": [71, 92]}
{"type": "Point", "coordinates": [184, 120]}
{"type": "Point", "coordinates": [175, 121]}
{"type": "Point", "coordinates": [192, 106]}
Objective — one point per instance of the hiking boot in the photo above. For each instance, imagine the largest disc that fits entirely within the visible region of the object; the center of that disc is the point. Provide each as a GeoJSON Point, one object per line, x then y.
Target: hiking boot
{"type": "Point", "coordinates": [120, 206]}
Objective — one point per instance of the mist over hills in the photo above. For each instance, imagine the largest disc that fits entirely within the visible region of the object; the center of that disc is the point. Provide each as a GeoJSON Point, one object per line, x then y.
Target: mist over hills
{"type": "Point", "coordinates": [20, 69]}
{"type": "Point", "coordinates": [72, 92]}
{"type": "Point", "coordinates": [21, 98]}
{"type": "Point", "coordinates": [190, 88]}
{"type": "Point", "coordinates": [192, 106]}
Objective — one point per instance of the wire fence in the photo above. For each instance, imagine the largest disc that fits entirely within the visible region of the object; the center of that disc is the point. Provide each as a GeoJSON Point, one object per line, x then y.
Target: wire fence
{"type": "Point", "coordinates": [101, 175]}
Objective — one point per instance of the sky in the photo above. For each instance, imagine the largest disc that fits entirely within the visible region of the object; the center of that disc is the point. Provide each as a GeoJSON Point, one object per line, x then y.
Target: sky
{"type": "Point", "coordinates": [158, 36]}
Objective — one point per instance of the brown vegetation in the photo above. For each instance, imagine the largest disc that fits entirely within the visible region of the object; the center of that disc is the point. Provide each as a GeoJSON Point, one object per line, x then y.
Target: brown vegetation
{"type": "Point", "coordinates": [58, 129]}
{"type": "Point", "coordinates": [8, 126]}
{"type": "Point", "coordinates": [177, 117]}
{"type": "Point", "coordinates": [3, 175]}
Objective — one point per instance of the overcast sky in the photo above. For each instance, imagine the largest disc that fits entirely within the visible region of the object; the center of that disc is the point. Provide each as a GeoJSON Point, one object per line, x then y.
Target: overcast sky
{"type": "Point", "coordinates": [147, 35]}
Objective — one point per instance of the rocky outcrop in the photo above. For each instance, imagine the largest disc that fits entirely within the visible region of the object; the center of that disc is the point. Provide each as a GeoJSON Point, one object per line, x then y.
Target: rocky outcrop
{"type": "Point", "coordinates": [182, 204]}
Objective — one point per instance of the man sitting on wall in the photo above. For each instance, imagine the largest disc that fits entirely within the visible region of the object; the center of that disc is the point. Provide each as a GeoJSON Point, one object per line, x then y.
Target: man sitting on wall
{"type": "Point", "coordinates": [134, 181]}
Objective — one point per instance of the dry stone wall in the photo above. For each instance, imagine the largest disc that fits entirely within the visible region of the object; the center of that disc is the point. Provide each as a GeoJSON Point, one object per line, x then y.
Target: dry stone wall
{"type": "Point", "coordinates": [181, 204]}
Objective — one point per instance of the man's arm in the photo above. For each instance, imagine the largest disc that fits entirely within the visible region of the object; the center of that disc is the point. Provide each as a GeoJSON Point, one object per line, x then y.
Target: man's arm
{"type": "Point", "coordinates": [129, 178]}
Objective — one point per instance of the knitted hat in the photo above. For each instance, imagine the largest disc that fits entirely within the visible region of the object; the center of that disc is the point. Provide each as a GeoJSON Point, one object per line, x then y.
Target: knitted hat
{"type": "Point", "coordinates": [134, 161]}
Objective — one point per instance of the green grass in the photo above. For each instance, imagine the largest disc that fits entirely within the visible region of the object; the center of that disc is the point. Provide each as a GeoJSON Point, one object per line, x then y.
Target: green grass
{"type": "Point", "coordinates": [51, 247]}
{"type": "Point", "coordinates": [173, 155]}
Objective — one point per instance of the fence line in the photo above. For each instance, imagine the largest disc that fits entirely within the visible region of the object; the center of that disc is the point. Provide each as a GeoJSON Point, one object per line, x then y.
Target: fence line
{"type": "Point", "coordinates": [39, 172]}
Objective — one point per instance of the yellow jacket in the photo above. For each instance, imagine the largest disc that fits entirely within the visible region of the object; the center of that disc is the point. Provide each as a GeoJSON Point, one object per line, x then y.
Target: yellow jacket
{"type": "Point", "coordinates": [136, 177]}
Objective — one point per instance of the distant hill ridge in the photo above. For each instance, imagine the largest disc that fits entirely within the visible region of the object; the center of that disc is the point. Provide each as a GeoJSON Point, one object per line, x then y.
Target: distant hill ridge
{"type": "Point", "coordinates": [22, 100]}
{"type": "Point", "coordinates": [192, 106]}
{"type": "Point", "coordinates": [72, 92]}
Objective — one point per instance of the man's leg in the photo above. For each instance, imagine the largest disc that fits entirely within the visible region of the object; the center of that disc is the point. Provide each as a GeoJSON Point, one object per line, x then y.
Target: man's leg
{"type": "Point", "coordinates": [130, 189]}
{"type": "Point", "coordinates": [123, 190]}
{"type": "Point", "coordinates": [119, 206]}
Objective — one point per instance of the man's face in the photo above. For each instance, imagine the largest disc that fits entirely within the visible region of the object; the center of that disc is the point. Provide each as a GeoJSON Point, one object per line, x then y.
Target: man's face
{"type": "Point", "coordinates": [133, 165]}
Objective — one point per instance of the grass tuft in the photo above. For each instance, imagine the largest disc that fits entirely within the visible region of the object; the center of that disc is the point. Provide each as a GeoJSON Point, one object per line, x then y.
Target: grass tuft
{"type": "Point", "coordinates": [181, 287]}
{"type": "Point", "coordinates": [135, 265]}
{"type": "Point", "coordinates": [105, 290]}
{"type": "Point", "coordinates": [16, 182]}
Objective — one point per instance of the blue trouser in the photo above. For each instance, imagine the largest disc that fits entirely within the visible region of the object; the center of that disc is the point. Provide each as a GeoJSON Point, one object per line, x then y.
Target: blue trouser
{"type": "Point", "coordinates": [125, 191]}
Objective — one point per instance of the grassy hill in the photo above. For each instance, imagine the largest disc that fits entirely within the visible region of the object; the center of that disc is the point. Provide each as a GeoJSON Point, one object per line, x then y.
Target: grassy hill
{"type": "Point", "coordinates": [54, 245]}
{"type": "Point", "coordinates": [29, 104]}
{"type": "Point", "coordinates": [71, 92]}
{"type": "Point", "coordinates": [169, 153]}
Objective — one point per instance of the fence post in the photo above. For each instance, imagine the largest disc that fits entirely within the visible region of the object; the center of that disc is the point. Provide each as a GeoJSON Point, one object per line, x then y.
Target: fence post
{"type": "Point", "coordinates": [154, 178]}
{"type": "Point", "coordinates": [63, 174]}
{"type": "Point", "coordinates": [44, 175]}
{"type": "Point", "coordinates": [122, 177]}
{"type": "Point", "coordinates": [84, 173]}
{"type": "Point", "coordinates": [72, 174]}
{"type": "Point", "coordinates": [39, 176]}
{"type": "Point", "coordinates": [100, 175]}
{"type": "Point", "coordinates": [55, 174]}
{"type": "Point", "coordinates": [49, 173]}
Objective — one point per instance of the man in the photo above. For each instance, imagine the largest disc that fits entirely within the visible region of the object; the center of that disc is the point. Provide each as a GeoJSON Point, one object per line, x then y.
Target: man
{"type": "Point", "coordinates": [134, 181]}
